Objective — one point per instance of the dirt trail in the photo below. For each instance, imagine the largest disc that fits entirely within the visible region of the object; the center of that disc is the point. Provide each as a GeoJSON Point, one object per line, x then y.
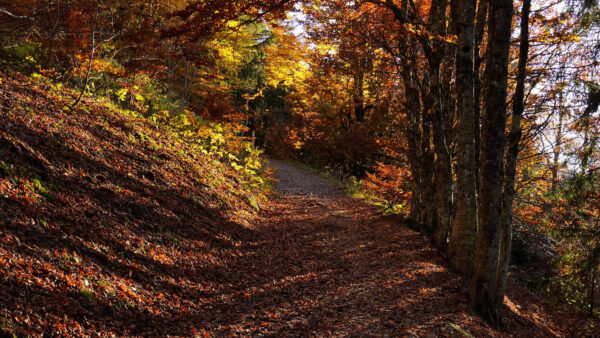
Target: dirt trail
{"type": "Point", "coordinates": [332, 265]}
{"type": "Point", "coordinates": [293, 181]}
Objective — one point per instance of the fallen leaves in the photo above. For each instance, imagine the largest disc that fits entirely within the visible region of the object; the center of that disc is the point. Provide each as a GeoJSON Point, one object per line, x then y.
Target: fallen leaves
{"type": "Point", "coordinates": [119, 254]}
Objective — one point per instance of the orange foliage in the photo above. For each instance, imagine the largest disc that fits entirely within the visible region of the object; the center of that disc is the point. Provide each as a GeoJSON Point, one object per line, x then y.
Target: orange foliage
{"type": "Point", "coordinates": [390, 183]}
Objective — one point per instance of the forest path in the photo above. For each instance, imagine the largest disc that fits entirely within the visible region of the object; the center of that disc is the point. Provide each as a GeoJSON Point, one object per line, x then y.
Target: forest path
{"type": "Point", "coordinates": [337, 267]}
{"type": "Point", "coordinates": [325, 264]}
{"type": "Point", "coordinates": [318, 263]}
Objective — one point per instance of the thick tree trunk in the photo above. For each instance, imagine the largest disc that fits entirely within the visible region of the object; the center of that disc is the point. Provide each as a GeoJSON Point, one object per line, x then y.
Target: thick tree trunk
{"type": "Point", "coordinates": [442, 164]}
{"type": "Point", "coordinates": [483, 296]}
{"type": "Point", "coordinates": [480, 24]}
{"type": "Point", "coordinates": [512, 154]}
{"type": "Point", "coordinates": [414, 145]}
{"type": "Point", "coordinates": [414, 112]}
{"type": "Point", "coordinates": [427, 212]}
{"type": "Point", "coordinates": [464, 232]}
{"type": "Point", "coordinates": [443, 169]}
{"type": "Point", "coordinates": [413, 136]}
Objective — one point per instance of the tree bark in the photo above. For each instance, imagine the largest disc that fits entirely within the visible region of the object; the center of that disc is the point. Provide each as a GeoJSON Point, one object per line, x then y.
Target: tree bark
{"type": "Point", "coordinates": [414, 113]}
{"type": "Point", "coordinates": [483, 296]}
{"type": "Point", "coordinates": [556, 149]}
{"type": "Point", "coordinates": [442, 164]}
{"type": "Point", "coordinates": [464, 232]}
{"type": "Point", "coordinates": [427, 213]}
{"type": "Point", "coordinates": [413, 108]}
{"type": "Point", "coordinates": [480, 24]}
{"type": "Point", "coordinates": [512, 154]}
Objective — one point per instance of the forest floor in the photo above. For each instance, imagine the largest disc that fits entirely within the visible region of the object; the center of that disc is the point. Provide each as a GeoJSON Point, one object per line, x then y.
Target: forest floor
{"type": "Point", "coordinates": [105, 233]}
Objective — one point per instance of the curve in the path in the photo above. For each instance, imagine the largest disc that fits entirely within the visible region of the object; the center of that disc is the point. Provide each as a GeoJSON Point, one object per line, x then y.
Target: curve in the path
{"type": "Point", "coordinates": [317, 263]}
{"type": "Point", "coordinates": [327, 265]}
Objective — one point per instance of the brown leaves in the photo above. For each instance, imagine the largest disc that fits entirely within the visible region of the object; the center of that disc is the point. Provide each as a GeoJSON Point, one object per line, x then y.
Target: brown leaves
{"type": "Point", "coordinates": [106, 251]}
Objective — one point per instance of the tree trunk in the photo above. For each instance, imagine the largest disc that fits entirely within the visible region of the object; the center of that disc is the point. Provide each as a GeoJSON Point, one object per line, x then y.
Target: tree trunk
{"type": "Point", "coordinates": [184, 94]}
{"type": "Point", "coordinates": [558, 138]}
{"type": "Point", "coordinates": [512, 154]}
{"type": "Point", "coordinates": [414, 109]}
{"type": "Point", "coordinates": [442, 163]}
{"type": "Point", "coordinates": [86, 81]}
{"type": "Point", "coordinates": [480, 24]}
{"type": "Point", "coordinates": [414, 144]}
{"type": "Point", "coordinates": [483, 296]}
{"type": "Point", "coordinates": [427, 213]}
{"type": "Point", "coordinates": [592, 285]}
{"type": "Point", "coordinates": [464, 231]}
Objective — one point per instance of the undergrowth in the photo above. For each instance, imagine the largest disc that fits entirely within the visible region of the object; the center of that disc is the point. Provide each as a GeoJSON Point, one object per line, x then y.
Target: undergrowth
{"type": "Point", "coordinates": [189, 136]}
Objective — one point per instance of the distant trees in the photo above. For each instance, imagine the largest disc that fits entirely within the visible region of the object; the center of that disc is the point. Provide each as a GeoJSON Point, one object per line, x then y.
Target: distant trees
{"type": "Point", "coordinates": [568, 207]}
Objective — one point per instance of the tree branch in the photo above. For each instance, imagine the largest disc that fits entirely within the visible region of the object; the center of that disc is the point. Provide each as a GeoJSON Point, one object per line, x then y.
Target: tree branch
{"type": "Point", "coordinates": [14, 16]}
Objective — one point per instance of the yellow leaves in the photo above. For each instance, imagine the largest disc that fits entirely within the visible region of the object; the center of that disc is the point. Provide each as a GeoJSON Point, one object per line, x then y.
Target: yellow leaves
{"type": "Point", "coordinates": [326, 49]}
{"type": "Point", "coordinates": [228, 56]}
{"type": "Point", "coordinates": [286, 62]}
{"type": "Point", "coordinates": [232, 48]}
{"type": "Point", "coordinates": [232, 23]}
{"type": "Point", "coordinates": [139, 97]}
{"type": "Point", "coordinates": [451, 38]}
{"type": "Point", "coordinates": [160, 116]}
{"type": "Point", "coordinates": [99, 65]}
{"type": "Point", "coordinates": [412, 28]}
{"type": "Point", "coordinates": [418, 31]}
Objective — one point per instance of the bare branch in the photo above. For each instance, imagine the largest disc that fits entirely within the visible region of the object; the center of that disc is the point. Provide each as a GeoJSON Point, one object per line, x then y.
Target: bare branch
{"type": "Point", "coordinates": [14, 16]}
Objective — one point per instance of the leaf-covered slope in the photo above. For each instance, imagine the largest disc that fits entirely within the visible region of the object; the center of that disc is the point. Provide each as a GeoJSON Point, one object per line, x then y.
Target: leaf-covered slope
{"type": "Point", "coordinates": [105, 219]}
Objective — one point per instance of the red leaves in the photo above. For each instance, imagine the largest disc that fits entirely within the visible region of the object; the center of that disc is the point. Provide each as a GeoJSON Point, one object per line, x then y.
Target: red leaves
{"type": "Point", "coordinates": [390, 183]}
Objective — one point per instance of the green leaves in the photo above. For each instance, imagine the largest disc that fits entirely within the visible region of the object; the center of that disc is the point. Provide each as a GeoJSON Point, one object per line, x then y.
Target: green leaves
{"type": "Point", "coordinates": [86, 294]}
